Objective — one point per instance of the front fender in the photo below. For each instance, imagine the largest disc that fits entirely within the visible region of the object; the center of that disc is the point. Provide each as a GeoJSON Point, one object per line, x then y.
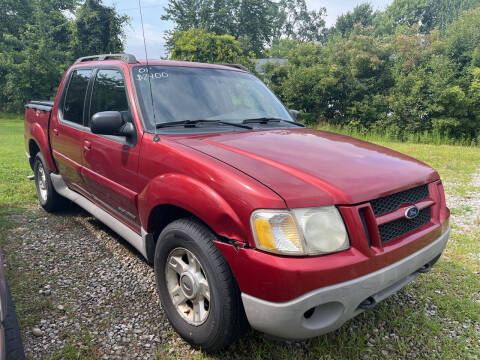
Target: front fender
{"type": "Point", "coordinates": [194, 196]}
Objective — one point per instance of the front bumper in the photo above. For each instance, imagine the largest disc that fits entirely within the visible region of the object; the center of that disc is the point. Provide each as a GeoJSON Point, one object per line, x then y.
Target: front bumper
{"type": "Point", "coordinates": [333, 305]}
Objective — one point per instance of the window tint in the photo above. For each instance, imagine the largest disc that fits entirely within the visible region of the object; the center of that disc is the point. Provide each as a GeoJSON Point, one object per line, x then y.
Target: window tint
{"type": "Point", "coordinates": [75, 98]}
{"type": "Point", "coordinates": [109, 93]}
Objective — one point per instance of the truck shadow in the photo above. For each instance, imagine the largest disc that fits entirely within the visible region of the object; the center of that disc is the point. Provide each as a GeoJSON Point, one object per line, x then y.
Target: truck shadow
{"type": "Point", "coordinates": [72, 210]}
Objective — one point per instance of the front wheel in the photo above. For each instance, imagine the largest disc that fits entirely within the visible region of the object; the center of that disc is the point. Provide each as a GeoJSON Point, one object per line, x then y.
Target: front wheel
{"type": "Point", "coordinates": [197, 289]}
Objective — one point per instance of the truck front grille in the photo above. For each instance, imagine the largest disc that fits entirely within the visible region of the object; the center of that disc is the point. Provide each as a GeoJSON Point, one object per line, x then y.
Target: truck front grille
{"type": "Point", "coordinates": [402, 226]}
{"type": "Point", "coordinates": [392, 202]}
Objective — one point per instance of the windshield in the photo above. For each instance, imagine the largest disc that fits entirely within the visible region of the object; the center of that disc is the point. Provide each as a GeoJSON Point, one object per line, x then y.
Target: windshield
{"type": "Point", "coordinates": [188, 93]}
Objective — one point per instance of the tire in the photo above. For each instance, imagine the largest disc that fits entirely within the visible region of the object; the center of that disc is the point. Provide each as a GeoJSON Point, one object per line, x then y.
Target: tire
{"type": "Point", "coordinates": [50, 200]}
{"type": "Point", "coordinates": [13, 338]}
{"type": "Point", "coordinates": [188, 240]}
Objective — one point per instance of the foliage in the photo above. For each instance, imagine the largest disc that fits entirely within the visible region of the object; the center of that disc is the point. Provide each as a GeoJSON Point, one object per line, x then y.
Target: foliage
{"type": "Point", "coordinates": [361, 14]}
{"type": "Point", "coordinates": [429, 14]}
{"type": "Point", "coordinates": [435, 79]}
{"type": "Point", "coordinates": [341, 81]}
{"type": "Point", "coordinates": [406, 82]}
{"type": "Point", "coordinates": [298, 23]}
{"type": "Point", "coordinates": [97, 29]}
{"type": "Point", "coordinates": [255, 23]}
{"type": "Point", "coordinates": [199, 45]}
{"type": "Point", "coordinates": [281, 47]}
{"type": "Point", "coordinates": [38, 41]}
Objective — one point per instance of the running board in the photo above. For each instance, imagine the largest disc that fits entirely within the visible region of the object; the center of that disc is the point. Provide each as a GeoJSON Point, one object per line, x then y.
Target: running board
{"type": "Point", "coordinates": [137, 241]}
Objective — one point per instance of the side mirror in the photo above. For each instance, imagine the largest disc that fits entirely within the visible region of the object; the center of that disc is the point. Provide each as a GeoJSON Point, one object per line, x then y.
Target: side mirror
{"type": "Point", "coordinates": [111, 123]}
{"type": "Point", "coordinates": [295, 114]}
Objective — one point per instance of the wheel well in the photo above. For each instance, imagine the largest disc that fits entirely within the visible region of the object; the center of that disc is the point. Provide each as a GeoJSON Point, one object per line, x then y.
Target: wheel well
{"type": "Point", "coordinates": [33, 150]}
{"type": "Point", "coordinates": [160, 217]}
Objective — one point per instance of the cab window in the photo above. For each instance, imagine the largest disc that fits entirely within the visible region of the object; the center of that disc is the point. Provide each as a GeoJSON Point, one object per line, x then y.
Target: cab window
{"type": "Point", "coordinates": [75, 97]}
{"type": "Point", "coordinates": [109, 93]}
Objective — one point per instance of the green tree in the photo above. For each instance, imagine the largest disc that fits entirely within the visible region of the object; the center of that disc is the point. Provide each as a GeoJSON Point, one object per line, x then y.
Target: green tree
{"type": "Point", "coordinates": [428, 14]}
{"type": "Point", "coordinates": [14, 14]}
{"type": "Point", "coordinates": [256, 24]}
{"type": "Point", "coordinates": [281, 48]}
{"type": "Point", "coordinates": [428, 95]}
{"type": "Point", "coordinates": [214, 15]}
{"type": "Point", "coordinates": [202, 46]}
{"type": "Point", "coordinates": [462, 38]}
{"type": "Point", "coordinates": [37, 44]}
{"type": "Point", "coordinates": [474, 95]}
{"type": "Point", "coordinates": [344, 82]}
{"type": "Point", "coordinates": [361, 14]}
{"type": "Point", "coordinates": [34, 56]}
{"type": "Point", "coordinates": [252, 22]}
{"type": "Point", "coordinates": [297, 22]}
{"type": "Point", "coordinates": [97, 29]}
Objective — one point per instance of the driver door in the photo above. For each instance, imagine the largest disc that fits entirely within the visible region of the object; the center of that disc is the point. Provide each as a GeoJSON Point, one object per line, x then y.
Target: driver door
{"type": "Point", "coordinates": [110, 162]}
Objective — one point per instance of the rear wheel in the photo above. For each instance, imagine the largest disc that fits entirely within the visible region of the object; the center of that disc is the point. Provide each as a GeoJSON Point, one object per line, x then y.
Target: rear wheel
{"type": "Point", "coordinates": [47, 196]}
{"type": "Point", "coordinates": [197, 289]}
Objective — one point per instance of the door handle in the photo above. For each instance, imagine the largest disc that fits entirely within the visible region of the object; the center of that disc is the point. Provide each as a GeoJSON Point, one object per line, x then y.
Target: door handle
{"type": "Point", "coordinates": [87, 145]}
{"type": "Point", "coordinates": [55, 132]}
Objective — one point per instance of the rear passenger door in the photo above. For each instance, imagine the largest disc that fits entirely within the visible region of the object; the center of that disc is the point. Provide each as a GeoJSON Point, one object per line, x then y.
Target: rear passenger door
{"type": "Point", "coordinates": [68, 130]}
{"type": "Point", "coordinates": [110, 162]}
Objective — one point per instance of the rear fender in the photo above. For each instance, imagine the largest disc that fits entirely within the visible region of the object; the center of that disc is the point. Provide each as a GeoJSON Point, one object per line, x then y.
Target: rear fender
{"type": "Point", "coordinates": [195, 197]}
{"type": "Point", "coordinates": [39, 136]}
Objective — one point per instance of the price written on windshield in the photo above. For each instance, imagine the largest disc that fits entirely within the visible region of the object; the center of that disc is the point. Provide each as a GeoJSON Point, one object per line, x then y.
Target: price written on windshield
{"type": "Point", "coordinates": [153, 76]}
{"type": "Point", "coordinates": [145, 74]}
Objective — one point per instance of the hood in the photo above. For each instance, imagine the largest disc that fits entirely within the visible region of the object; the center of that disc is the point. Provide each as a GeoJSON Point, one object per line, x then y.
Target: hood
{"type": "Point", "coordinates": [315, 168]}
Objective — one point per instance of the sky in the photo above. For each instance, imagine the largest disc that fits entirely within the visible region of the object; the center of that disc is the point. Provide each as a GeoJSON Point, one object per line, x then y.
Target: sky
{"type": "Point", "coordinates": [155, 27]}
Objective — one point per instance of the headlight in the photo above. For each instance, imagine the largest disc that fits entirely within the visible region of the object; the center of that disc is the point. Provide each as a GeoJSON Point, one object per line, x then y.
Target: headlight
{"type": "Point", "coordinates": [323, 229]}
{"type": "Point", "coordinates": [305, 231]}
{"type": "Point", "coordinates": [275, 231]}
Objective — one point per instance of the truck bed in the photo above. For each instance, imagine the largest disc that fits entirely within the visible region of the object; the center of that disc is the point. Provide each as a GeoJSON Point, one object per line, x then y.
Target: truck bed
{"type": "Point", "coordinates": [45, 105]}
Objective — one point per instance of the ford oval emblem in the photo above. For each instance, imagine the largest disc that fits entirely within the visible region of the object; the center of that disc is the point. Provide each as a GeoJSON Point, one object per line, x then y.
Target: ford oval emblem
{"type": "Point", "coordinates": [412, 212]}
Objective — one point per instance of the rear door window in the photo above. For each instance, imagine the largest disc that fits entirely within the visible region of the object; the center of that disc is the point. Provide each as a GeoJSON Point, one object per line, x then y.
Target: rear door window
{"type": "Point", "coordinates": [75, 97]}
{"type": "Point", "coordinates": [109, 93]}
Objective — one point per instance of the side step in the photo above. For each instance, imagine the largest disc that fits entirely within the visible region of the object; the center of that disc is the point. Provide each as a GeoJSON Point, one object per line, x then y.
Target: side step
{"type": "Point", "coordinates": [137, 241]}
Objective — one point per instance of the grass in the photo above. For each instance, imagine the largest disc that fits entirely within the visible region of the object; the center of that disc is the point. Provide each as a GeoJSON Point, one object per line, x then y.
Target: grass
{"type": "Point", "coordinates": [386, 134]}
{"type": "Point", "coordinates": [15, 189]}
{"type": "Point", "coordinates": [434, 317]}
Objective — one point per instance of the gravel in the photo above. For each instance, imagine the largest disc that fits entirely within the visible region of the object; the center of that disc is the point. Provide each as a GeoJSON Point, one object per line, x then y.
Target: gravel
{"type": "Point", "coordinates": [467, 216]}
{"type": "Point", "coordinates": [97, 285]}
{"type": "Point", "coordinates": [37, 332]}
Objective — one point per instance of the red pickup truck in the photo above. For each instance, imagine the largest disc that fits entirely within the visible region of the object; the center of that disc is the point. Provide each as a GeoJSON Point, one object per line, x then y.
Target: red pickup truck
{"type": "Point", "coordinates": [248, 217]}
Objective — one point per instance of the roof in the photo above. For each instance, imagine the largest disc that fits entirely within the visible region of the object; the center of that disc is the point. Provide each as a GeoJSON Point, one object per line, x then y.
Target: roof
{"type": "Point", "coordinates": [130, 61]}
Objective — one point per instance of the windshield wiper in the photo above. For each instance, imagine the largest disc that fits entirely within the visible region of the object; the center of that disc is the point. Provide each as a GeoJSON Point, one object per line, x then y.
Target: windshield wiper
{"type": "Point", "coordinates": [266, 120]}
{"type": "Point", "coordinates": [193, 123]}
